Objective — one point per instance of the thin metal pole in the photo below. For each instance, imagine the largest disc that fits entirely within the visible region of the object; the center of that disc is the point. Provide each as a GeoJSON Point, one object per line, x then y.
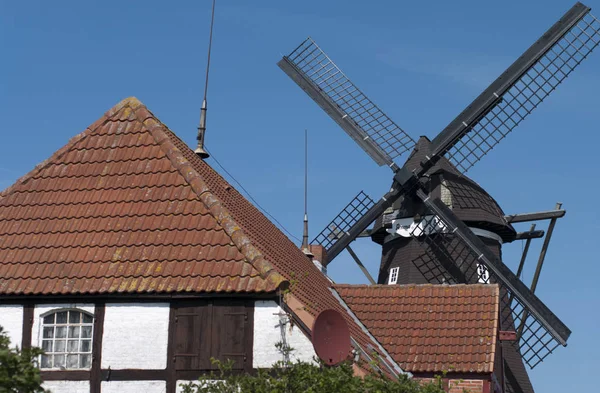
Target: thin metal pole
{"type": "Point", "coordinates": [212, 21]}
{"type": "Point", "coordinates": [200, 151]}
{"type": "Point", "coordinates": [538, 269]}
{"type": "Point", "coordinates": [305, 246]}
{"type": "Point", "coordinates": [305, 171]}
{"type": "Point", "coordinates": [360, 265]}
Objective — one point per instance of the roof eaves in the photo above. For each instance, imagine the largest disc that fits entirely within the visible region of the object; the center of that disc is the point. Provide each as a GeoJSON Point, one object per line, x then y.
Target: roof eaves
{"type": "Point", "coordinates": [211, 201]}
{"type": "Point", "coordinates": [391, 363]}
{"type": "Point", "coordinates": [496, 326]}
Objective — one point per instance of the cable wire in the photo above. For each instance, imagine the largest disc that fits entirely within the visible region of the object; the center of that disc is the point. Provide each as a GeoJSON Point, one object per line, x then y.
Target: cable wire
{"type": "Point", "coordinates": [251, 197]}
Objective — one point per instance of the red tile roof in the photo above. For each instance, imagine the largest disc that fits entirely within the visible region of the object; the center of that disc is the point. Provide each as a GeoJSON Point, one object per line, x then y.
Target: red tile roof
{"type": "Point", "coordinates": [430, 328]}
{"type": "Point", "coordinates": [120, 210]}
{"type": "Point", "coordinates": [127, 207]}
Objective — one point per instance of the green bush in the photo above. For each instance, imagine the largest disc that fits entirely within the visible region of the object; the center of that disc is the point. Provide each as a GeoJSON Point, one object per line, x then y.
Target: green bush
{"type": "Point", "coordinates": [304, 377]}
{"type": "Point", "coordinates": [18, 371]}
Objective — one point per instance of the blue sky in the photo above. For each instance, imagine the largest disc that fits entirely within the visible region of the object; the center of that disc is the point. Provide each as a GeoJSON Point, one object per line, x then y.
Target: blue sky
{"type": "Point", "coordinates": [65, 63]}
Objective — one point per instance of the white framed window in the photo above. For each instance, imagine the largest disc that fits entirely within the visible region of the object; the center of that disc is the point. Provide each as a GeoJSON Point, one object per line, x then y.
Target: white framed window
{"type": "Point", "coordinates": [66, 337]}
{"type": "Point", "coordinates": [483, 275]}
{"type": "Point", "coordinates": [393, 275]}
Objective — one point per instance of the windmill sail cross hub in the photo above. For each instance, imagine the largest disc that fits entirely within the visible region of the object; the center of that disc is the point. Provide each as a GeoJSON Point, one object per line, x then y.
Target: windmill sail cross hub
{"type": "Point", "coordinates": [432, 182]}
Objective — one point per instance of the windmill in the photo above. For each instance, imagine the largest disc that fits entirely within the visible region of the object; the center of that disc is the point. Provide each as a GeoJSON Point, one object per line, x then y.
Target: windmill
{"type": "Point", "coordinates": [454, 252]}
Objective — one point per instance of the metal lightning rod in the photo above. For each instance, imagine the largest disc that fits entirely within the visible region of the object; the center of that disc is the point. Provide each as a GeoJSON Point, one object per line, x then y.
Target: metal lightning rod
{"type": "Point", "coordinates": [202, 126]}
{"type": "Point", "coordinates": [305, 247]}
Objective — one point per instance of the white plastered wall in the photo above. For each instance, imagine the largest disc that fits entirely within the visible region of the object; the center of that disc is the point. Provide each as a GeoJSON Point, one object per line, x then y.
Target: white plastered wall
{"type": "Point", "coordinates": [11, 319]}
{"type": "Point", "coordinates": [135, 336]}
{"type": "Point", "coordinates": [133, 387]}
{"type": "Point", "coordinates": [41, 310]}
{"type": "Point", "coordinates": [268, 332]}
{"type": "Point", "coordinates": [67, 386]}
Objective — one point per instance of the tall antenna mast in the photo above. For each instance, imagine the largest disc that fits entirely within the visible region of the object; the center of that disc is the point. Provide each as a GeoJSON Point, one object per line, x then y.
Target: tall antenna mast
{"type": "Point", "coordinates": [305, 247]}
{"type": "Point", "coordinates": [202, 126]}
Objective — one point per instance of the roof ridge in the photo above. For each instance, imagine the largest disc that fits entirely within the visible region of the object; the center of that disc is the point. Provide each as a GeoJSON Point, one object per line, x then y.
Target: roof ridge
{"type": "Point", "coordinates": [159, 131]}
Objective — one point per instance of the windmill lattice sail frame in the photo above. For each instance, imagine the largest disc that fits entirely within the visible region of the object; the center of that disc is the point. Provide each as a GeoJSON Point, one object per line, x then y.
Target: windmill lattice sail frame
{"type": "Point", "coordinates": [465, 141]}
{"type": "Point", "coordinates": [344, 220]}
{"type": "Point", "coordinates": [330, 88]}
{"type": "Point", "coordinates": [527, 93]}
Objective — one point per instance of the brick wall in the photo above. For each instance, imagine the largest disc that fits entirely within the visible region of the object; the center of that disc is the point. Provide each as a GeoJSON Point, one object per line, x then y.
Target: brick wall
{"type": "Point", "coordinates": [465, 386]}
{"type": "Point", "coordinates": [459, 385]}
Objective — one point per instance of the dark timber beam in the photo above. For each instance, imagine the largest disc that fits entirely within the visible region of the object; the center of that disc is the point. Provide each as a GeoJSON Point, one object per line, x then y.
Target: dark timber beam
{"type": "Point", "coordinates": [360, 265]}
{"type": "Point", "coordinates": [27, 325]}
{"type": "Point", "coordinates": [530, 234]}
{"type": "Point", "coordinates": [526, 217]}
{"type": "Point", "coordinates": [365, 233]}
{"type": "Point", "coordinates": [525, 251]}
{"type": "Point", "coordinates": [95, 370]}
{"type": "Point", "coordinates": [538, 268]}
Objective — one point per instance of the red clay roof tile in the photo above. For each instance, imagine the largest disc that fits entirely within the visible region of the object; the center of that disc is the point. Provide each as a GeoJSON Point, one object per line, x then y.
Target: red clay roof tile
{"type": "Point", "coordinates": [430, 328]}
{"type": "Point", "coordinates": [112, 212]}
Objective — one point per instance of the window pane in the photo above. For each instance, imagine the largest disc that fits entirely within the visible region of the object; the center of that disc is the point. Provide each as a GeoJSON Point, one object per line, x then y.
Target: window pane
{"type": "Point", "coordinates": [47, 345]}
{"type": "Point", "coordinates": [86, 332]}
{"type": "Point", "coordinates": [61, 317]}
{"type": "Point", "coordinates": [74, 317]}
{"type": "Point", "coordinates": [85, 361]}
{"type": "Point", "coordinates": [72, 345]}
{"type": "Point", "coordinates": [61, 331]}
{"type": "Point", "coordinates": [59, 346]}
{"type": "Point", "coordinates": [48, 332]}
{"type": "Point", "coordinates": [59, 360]}
{"type": "Point", "coordinates": [46, 361]}
{"type": "Point", "coordinates": [73, 331]}
{"type": "Point", "coordinates": [86, 346]}
{"type": "Point", "coordinates": [72, 361]}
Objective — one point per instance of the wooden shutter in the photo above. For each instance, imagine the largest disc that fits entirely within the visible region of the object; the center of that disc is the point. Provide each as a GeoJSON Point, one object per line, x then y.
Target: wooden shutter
{"type": "Point", "coordinates": [232, 332]}
{"type": "Point", "coordinates": [192, 336]}
{"type": "Point", "coordinates": [222, 329]}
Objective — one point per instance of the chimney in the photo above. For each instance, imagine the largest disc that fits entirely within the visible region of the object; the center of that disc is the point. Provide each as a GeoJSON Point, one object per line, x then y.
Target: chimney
{"type": "Point", "coordinates": [305, 247]}
{"type": "Point", "coordinates": [319, 257]}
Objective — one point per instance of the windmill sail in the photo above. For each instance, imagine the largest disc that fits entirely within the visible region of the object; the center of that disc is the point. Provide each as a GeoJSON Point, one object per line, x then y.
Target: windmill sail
{"type": "Point", "coordinates": [346, 219]}
{"type": "Point", "coordinates": [453, 252]}
{"type": "Point", "coordinates": [378, 135]}
{"type": "Point", "coordinates": [520, 89]}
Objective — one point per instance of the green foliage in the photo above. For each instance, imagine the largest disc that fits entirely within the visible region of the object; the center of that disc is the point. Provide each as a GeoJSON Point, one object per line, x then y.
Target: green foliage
{"type": "Point", "coordinates": [18, 372]}
{"type": "Point", "coordinates": [303, 377]}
